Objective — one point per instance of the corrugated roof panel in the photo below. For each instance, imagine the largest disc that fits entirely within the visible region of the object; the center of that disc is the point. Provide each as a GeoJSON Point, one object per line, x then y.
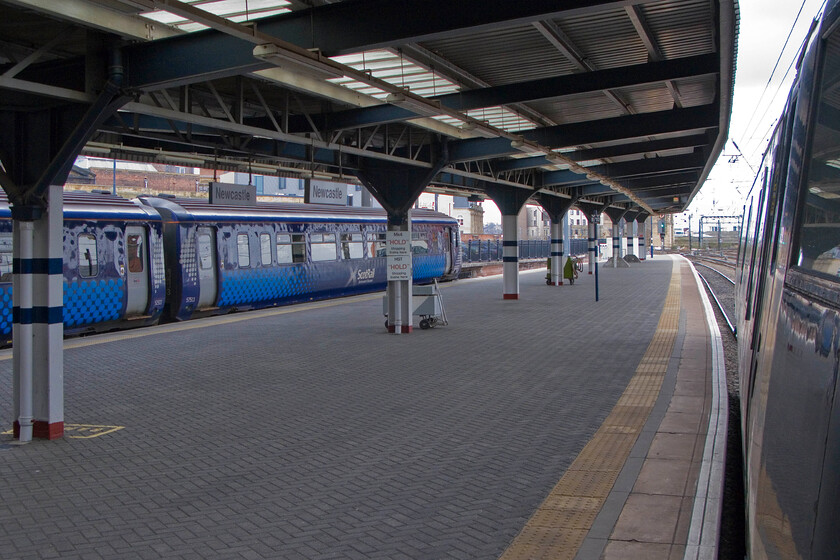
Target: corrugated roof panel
{"type": "Point", "coordinates": [648, 98]}
{"type": "Point", "coordinates": [504, 56]}
{"type": "Point", "coordinates": [682, 29]}
{"type": "Point", "coordinates": [697, 91]}
{"type": "Point", "coordinates": [606, 39]}
{"type": "Point", "coordinates": [578, 108]}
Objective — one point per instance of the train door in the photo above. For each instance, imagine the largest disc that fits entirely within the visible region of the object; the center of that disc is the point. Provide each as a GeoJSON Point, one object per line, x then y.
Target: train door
{"type": "Point", "coordinates": [137, 280]}
{"type": "Point", "coordinates": [447, 248]}
{"type": "Point", "coordinates": [207, 283]}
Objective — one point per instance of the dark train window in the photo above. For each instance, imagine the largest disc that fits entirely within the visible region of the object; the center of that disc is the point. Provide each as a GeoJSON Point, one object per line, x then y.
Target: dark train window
{"type": "Point", "coordinates": [134, 248]}
{"type": "Point", "coordinates": [419, 243]}
{"type": "Point", "coordinates": [265, 249]}
{"type": "Point", "coordinates": [243, 250]}
{"type": "Point", "coordinates": [5, 257]}
{"type": "Point", "coordinates": [351, 246]}
{"type": "Point", "coordinates": [376, 244]}
{"type": "Point", "coordinates": [88, 259]}
{"type": "Point", "coordinates": [291, 248]}
{"type": "Point", "coordinates": [323, 246]}
{"type": "Point", "coordinates": [819, 230]}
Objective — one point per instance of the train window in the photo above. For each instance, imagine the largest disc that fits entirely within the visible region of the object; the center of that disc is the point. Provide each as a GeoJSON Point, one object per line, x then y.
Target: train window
{"type": "Point", "coordinates": [243, 249]}
{"type": "Point", "coordinates": [265, 249]}
{"type": "Point", "coordinates": [291, 248]}
{"type": "Point", "coordinates": [819, 229]}
{"type": "Point", "coordinates": [205, 251]}
{"type": "Point", "coordinates": [376, 244]}
{"type": "Point", "coordinates": [419, 243]}
{"type": "Point", "coordinates": [134, 248]}
{"type": "Point", "coordinates": [351, 246]}
{"type": "Point", "coordinates": [88, 259]}
{"type": "Point", "coordinates": [323, 246]}
{"type": "Point", "coordinates": [5, 257]}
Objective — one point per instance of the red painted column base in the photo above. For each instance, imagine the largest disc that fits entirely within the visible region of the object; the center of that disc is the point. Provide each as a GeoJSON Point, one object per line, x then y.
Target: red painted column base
{"type": "Point", "coordinates": [511, 296]}
{"type": "Point", "coordinates": [404, 329]}
{"type": "Point", "coordinates": [42, 429]}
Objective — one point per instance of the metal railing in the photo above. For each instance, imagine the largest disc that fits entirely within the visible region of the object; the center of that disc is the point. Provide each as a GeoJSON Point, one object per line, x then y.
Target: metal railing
{"type": "Point", "coordinates": [490, 250]}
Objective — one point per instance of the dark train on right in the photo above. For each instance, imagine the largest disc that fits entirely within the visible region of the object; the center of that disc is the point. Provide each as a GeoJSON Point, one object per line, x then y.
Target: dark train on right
{"type": "Point", "coordinates": [788, 306]}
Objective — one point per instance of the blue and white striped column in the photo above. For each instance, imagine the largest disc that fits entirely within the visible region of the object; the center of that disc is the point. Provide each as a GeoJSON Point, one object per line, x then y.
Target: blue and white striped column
{"type": "Point", "coordinates": [556, 273]}
{"type": "Point", "coordinates": [37, 322]}
{"type": "Point", "coordinates": [591, 245]}
{"type": "Point", "coordinates": [631, 237]}
{"type": "Point", "coordinates": [616, 245]}
{"type": "Point", "coordinates": [510, 257]}
{"type": "Point", "coordinates": [641, 228]}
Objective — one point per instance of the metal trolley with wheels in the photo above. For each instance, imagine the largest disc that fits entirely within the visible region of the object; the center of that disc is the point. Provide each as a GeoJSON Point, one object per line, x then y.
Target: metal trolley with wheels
{"type": "Point", "coordinates": [426, 303]}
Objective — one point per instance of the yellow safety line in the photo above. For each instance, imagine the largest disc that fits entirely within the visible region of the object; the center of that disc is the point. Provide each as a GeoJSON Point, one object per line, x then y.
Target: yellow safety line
{"type": "Point", "coordinates": [202, 323]}
{"type": "Point", "coordinates": [561, 522]}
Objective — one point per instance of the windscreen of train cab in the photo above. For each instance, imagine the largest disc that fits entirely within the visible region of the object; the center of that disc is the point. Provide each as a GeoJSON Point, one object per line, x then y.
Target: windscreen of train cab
{"type": "Point", "coordinates": [819, 230]}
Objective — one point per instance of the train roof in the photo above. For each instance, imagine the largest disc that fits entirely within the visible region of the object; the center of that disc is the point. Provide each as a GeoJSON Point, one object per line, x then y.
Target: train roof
{"type": "Point", "coordinates": [187, 209]}
{"type": "Point", "coordinates": [97, 204]}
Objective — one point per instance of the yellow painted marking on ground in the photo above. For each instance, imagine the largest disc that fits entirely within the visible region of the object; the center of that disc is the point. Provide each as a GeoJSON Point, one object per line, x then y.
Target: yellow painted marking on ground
{"type": "Point", "coordinates": [204, 323]}
{"type": "Point", "coordinates": [561, 523]}
{"type": "Point", "coordinates": [83, 431]}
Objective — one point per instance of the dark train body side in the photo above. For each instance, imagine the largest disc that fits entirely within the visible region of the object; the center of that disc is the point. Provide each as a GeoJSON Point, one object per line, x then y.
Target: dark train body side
{"type": "Point", "coordinates": [788, 308]}
{"type": "Point", "coordinates": [232, 259]}
{"type": "Point", "coordinates": [136, 263]}
{"type": "Point", "coordinates": [113, 265]}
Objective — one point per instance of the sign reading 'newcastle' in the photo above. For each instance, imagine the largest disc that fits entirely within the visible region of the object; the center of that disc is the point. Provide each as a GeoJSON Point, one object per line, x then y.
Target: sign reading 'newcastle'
{"type": "Point", "coordinates": [325, 192]}
{"type": "Point", "coordinates": [227, 194]}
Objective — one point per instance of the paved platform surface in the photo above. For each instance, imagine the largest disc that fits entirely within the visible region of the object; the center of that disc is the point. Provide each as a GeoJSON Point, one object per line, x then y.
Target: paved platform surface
{"type": "Point", "coordinates": [309, 432]}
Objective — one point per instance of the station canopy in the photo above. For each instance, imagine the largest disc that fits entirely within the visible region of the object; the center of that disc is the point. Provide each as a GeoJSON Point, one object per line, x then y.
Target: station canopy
{"type": "Point", "coordinates": [621, 103]}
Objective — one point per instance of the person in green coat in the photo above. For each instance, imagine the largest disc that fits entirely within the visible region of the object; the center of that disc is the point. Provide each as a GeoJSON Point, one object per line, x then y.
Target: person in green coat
{"type": "Point", "coordinates": [570, 270]}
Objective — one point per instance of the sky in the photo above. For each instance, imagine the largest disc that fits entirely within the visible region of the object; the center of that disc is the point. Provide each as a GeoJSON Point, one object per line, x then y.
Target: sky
{"type": "Point", "coordinates": [764, 27]}
{"type": "Point", "coordinates": [759, 100]}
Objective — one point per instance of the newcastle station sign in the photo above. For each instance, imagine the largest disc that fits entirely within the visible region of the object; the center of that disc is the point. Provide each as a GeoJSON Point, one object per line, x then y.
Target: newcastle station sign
{"type": "Point", "coordinates": [227, 194]}
{"type": "Point", "coordinates": [325, 192]}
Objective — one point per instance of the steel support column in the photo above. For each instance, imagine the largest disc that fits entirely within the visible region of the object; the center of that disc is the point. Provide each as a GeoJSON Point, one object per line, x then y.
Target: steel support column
{"type": "Point", "coordinates": [557, 245]}
{"type": "Point", "coordinates": [37, 320]}
{"type": "Point", "coordinates": [396, 187]}
{"type": "Point", "coordinates": [557, 208]}
{"type": "Point", "coordinates": [641, 220]}
{"type": "Point", "coordinates": [510, 201]}
{"type": "Point", "coordinates": [510, 256]}
{"type": "Point", "coordinates": [399, 291]}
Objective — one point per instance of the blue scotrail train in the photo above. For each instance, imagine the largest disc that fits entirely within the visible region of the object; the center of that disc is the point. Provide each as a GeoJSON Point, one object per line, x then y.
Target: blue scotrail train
{"type": "Point", "coordinates": [138, 262]}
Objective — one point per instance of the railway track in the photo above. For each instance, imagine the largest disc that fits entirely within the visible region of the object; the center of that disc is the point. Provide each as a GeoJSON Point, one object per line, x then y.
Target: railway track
{"type": "Point", "coordinates": [720, 286]}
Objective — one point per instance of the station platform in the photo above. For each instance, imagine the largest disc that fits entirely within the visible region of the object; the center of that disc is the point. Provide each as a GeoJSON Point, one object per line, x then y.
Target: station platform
{"type": "Point", "coordinates": [552, 426]}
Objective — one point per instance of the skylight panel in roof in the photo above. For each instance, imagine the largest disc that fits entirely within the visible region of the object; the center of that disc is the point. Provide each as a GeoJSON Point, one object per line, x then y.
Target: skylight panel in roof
{"type": "Point", "coordinates": [394, 69]}
{"type": "Point", "coordinates": [233, 10]}
{"type": "Point", "coordinates": [498, 117]}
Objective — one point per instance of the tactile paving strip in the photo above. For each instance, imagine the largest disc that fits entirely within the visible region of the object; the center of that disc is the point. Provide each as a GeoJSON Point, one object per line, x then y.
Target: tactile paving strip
{"type": "Point", "coordinates": [561, 523]}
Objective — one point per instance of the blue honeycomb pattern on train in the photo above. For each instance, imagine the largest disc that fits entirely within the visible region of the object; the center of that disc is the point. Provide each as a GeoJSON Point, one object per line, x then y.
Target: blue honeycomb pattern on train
{"type": "Point", "coordinates": [428, 266]}
{"type": "Point", "coordinates": [6, 310]}
{"type": "Point", "coordinates": [93, 301]}
{"type": "Point", "coordinates": [253, 285]}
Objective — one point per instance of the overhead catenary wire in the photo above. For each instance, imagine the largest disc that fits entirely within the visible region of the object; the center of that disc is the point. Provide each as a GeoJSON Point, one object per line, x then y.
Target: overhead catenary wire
{"type": "Point", "coordinates": [794, 61]}
{"type": "Point", "coordinates": [775, 66]}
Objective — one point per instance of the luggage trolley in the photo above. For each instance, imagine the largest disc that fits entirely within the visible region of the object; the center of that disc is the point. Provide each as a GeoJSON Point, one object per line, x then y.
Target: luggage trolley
{"type": "Point", "coordinates": [426, 303]}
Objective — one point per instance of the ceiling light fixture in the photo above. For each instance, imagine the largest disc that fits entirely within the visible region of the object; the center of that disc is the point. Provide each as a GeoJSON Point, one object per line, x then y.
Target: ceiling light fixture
{"type": "Point", "coordinates": [306, 61]}
{"type": "Point", "coordinates": [415, 104]}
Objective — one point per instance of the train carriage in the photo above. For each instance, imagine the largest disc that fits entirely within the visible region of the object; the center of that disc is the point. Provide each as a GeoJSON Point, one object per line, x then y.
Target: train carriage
{"type": "Point", "coordinates": [113, 265]}
{"type": "Point", "coordinates": [134, 263]}
{"type": "Point", "coordinates": [237, 258]}
{"type": "Point", "coordinates": [789, 319]}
